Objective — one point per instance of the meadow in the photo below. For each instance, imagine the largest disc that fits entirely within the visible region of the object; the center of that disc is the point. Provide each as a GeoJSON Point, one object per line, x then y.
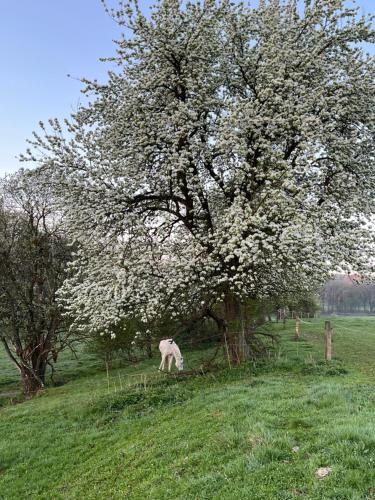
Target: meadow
{"type": "Point", "coordinates": [259, 431]}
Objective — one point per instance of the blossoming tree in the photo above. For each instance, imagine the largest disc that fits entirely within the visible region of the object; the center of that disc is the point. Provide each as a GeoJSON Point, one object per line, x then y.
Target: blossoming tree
{"type": "Point", "coordinates": [230, 156]}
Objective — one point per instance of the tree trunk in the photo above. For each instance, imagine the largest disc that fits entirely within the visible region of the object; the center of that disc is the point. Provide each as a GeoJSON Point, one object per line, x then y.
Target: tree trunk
{"type": "Point", "coordinates": [229, 326]}
{"type": "Point", "coordinates": [42, 371]}
{"type": "Point", "coordinates": [31, 381]}
{"type": "Point", "coordinates": [33, 371]}
{"type": "Point", "coordinates": [148, 345]}
{"type": "Point", "coordinates": [149, 348]}
{"type": "Point", "coordinates": [236, 341]}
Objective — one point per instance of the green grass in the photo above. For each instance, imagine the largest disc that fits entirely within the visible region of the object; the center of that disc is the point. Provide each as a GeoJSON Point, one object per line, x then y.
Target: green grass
{"type": "Point", "coordinates": [229, 434]}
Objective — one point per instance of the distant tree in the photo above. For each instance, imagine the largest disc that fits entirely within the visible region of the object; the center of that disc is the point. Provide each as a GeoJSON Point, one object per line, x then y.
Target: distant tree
{"type": "Point", "coordinates": [348, 294]}
{"type": "Point", "coordinates": [33, 258]}
{"type": "Point", "coordinates": [230, 157]}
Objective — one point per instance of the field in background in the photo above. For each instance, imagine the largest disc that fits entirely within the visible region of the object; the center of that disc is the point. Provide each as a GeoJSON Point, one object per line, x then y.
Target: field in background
{"type": "Point", "coordinates": [258, 431]}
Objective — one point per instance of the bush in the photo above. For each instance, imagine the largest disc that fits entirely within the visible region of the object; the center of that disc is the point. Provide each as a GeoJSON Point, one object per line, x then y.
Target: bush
{"type": "Point", "coordinates": [115, 344]}
{"type": "Point", "coordinates": [324, 368]}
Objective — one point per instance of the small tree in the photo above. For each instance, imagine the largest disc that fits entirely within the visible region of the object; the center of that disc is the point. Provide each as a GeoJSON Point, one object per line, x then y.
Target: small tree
{"type": "Point", "coordinates": [116, 345]}
{"type": "Point", "coordinates": [33, 258]}
{"type": "Point", "coordinates": [230, 157]}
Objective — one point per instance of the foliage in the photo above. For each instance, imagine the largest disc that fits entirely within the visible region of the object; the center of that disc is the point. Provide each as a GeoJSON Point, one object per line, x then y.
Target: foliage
{"type": "Point", "coordinates": [33, 257]}
{"type": "Point", "coordinates": [120, 343]}
{"type": "Point", "coordinates": [306, 304]}
{"type": "Point", "coordinates": [229, 155]}
{"type": "Point", "coordinates": [190, 330]}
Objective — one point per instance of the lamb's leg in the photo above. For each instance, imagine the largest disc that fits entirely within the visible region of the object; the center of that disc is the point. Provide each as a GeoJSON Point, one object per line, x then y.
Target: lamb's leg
{"type": "Point", "coordinates": [162, 364]}
{"type": "Point", "coordinates": [170, 359]}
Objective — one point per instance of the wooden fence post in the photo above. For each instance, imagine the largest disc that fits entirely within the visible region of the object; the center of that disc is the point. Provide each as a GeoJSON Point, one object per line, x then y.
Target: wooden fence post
{"type": "Point", "coordinates": [328, 341]}
{"type": "Point", "coordinates": [298, 329]}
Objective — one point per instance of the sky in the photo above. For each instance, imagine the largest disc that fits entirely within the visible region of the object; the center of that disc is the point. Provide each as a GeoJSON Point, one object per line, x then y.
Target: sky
{"type": "Point", "coordinates": [41, 42]}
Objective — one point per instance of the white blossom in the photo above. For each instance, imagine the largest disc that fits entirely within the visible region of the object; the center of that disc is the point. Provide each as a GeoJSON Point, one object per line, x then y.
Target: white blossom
{"type": "Point", "coordinates": [231, 153]}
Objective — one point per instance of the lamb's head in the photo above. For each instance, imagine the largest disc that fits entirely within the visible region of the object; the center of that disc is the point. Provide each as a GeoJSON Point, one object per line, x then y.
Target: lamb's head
{"type": "Point", "coordinates": [180, 363]}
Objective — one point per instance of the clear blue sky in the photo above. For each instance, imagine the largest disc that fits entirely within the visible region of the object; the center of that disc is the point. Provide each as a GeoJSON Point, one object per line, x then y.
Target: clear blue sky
{"type": "Point", "coordinates": [41, 41]}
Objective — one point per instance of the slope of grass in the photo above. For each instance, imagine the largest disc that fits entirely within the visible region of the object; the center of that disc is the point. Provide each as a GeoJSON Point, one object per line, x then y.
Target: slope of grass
{"type": "Point", "coordinates": [258, 431]}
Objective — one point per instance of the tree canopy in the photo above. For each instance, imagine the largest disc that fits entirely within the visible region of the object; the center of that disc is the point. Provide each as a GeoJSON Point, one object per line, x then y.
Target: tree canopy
{"type": "Point", "coordinates": [231, 154]}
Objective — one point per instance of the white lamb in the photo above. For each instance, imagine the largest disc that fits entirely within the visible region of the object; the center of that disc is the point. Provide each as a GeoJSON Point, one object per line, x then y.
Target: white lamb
{"type": "Point", "coordinates": [169, 350]}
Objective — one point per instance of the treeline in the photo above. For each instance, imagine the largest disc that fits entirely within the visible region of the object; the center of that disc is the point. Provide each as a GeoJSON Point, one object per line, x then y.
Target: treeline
{"type": "Point", "coordinates": [344, 294]}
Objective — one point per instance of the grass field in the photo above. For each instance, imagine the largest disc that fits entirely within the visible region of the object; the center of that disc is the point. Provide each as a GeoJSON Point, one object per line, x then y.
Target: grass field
{"type": "Point", "coordinates": [255, 432]}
